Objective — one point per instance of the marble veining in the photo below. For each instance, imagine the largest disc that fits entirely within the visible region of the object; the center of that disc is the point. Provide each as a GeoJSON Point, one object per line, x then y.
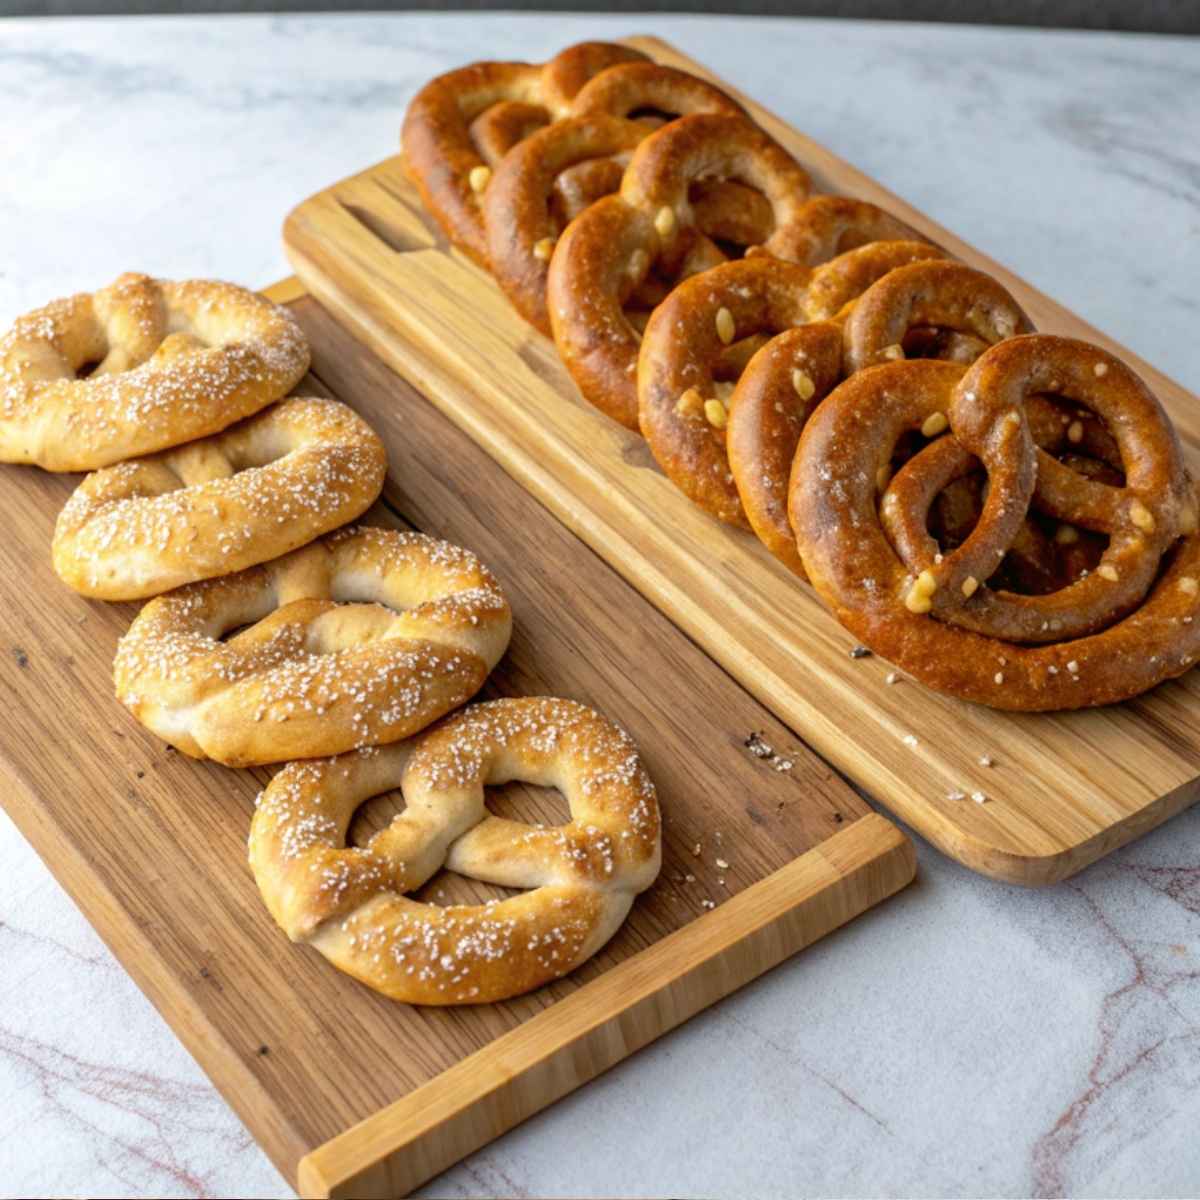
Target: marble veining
{"type": "Point", "coordinates": [966, 1038]}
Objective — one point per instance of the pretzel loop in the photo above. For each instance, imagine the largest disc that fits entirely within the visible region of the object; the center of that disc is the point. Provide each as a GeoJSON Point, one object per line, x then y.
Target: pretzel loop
{"type": "Point", "coordinates": [352, 904]}
{"type": "Point", "coordinates": [1113, 632]}
{"type": "Point", "coordinates": [360, 639]}
{"type": "Point", "coordinates": [139, 366]}
{"type": "Point", "coordinates": [613, 247]}
{"type": "Point", "coordinates": [451, 141]}
{"type": "Point", "coordinates": [717, 454]}
{"type": "Point", "coordinates": [256, 491]}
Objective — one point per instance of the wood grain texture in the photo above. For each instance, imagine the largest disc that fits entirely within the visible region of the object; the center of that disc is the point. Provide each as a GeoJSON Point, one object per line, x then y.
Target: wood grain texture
{"type": "Point", "coordinates": [1066, 788]}
{"type": "Point", "coordinates": [152, 845]}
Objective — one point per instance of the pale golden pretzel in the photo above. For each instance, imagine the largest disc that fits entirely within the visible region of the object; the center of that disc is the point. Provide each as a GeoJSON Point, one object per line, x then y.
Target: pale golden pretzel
{"type": "Point", "coordinates": [139, 366]}
{"type": "Point", "coordinates": [261, 488]}
{"type": "Point", "coordinates": [450, 168]}
{"type": "Point", "coordinates": [685, 405]}
{"type": "Point", "coordinates": [359, 639]}
{"type": "Point", "coordinates": [354, 905]}
{"type": "Point", "coordinates": [608, 251]}
{"type": "Point", "coordinates": [1110, 634]}
{"type": "Point", "coordinates": [594, 144]}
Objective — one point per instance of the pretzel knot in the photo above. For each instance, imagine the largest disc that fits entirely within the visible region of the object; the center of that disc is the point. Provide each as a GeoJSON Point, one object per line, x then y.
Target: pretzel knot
{"type": "Point", "coordinates": [139, 366]}
{"type": "Point", "coordinates": [360, 639]}
{"type": "Point", "coordinates": [459, 126]}
{"type": "Point", "coordinates": [261, 488]}
{"type": "Point", "coordinates": [650, 229]}
{"type": "Point", "coordinates": [559, 171]}
{"type": "Point", "coordinates": [730, 450]}
{"type": "Point", "coordinates": [352, 904]}
{"type": "Point", "coordinates": [1019, 414]}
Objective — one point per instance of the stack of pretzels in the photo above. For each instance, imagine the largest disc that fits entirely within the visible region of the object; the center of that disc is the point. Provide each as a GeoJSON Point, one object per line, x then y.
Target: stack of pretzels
{"type": "Point", "coordinates": [1005, 515]}
{"type": "Point", "coordinates": [275, 635]}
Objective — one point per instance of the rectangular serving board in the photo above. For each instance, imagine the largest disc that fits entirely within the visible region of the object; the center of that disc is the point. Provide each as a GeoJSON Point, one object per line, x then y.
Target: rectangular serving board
{"type": "Point", "coordinates": [350, 1094]}
{"type": "Point", "coordinates": [1065, 789]}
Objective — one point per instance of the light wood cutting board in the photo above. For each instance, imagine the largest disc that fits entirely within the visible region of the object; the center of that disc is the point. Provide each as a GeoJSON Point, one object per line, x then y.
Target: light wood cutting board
{"type": "Point", "coordinates": [350, 1094]}
{"type": "Point", "coordinates": [1066, 789]}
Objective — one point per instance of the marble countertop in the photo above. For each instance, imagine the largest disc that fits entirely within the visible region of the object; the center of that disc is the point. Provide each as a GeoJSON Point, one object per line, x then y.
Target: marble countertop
{"type": "Point", "coordinates": [967, 1038]}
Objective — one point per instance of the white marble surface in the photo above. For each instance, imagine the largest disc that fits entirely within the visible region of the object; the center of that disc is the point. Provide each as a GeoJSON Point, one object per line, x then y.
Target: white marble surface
{"type": "Point", "coordinates": [965, 1039]}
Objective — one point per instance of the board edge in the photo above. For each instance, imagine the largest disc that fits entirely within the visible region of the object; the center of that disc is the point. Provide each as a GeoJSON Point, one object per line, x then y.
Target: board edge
{"type": "Point", "coordinates": [572, 1042]}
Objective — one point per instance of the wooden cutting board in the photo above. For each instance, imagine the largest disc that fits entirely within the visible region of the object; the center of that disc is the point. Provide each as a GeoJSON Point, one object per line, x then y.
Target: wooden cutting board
{"type": "Point", "coordinates": [350, 1094]}
{"type": "Point", "coordinates": [1065, 789]}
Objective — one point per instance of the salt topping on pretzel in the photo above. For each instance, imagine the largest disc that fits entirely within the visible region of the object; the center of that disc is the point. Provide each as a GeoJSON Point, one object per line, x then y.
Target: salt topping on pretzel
{"type": "Point", "coordinates": [591, 146]}
{"type": "Point", "coordinates": [258, 490]}
{"type": "Point", "coordinates": [359, 639]}
{"type": "Point", "coordinates": [447, 163]}
{"type": "Point", "coordinates": [139, 366]}
{"type": "Point", "coordinates": [944, 295]}
{"type": "Point", "coordinates": [354, 906]}
{"type": "Point", "coordinates": [610, 249]}
{"type": "Point", "coordinates": [1108, 635]}
{"type": "Point", "coordinates": [684, 409]}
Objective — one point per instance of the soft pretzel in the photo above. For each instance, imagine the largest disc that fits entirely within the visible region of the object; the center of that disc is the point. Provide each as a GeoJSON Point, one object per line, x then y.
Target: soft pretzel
{"type": "Point", "coordinates": [353, 904]}
{"type": "Point", "coordinates": [139, 366]}
{"type": "Point", "coordinates": [1110, 634]}
{"type": "Point", "coordinates": [485, 109]}
{"type": "Point", "coordinates": [261, 488]}
{"type": "Point", "coordinates": [359, 639]}
{"type": "Point", "coordinates": [650, 226]}
{"type": "Point", "coordinates": [519, 209]}
{"type": "Point", "coordinates": [683, 407]}
{"type": "Point", "coordinates": [943, 295]}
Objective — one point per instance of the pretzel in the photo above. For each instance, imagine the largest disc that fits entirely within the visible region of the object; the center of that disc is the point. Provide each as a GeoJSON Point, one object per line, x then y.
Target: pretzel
{"type": "Point", "coordinates": [519, 215]}
{"type": "Point", "coordinates": [946, 295]}
{"type": "Point", "coordinates": [610, 249]}
{"type": "Point", "coordinates": [1110, 634]}
{"type": "Point", "coordinates": [359, 639]}
{"type": "Point", "coordinates": [450, 168]}
{"type": "Point", "coordinates": [139, 366]}
{"type": "Point", "coordinates": [274, 482]}
{"type": "Point", "coordinates": [684, 410]}
{"type": "Point", "coordinates": [354, 905]}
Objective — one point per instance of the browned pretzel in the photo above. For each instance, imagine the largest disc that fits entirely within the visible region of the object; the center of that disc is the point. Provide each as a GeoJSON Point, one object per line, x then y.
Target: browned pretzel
{"type": "Point", "coordinates": [683, 412]}
{"type": "Point", "coordinates": [1109, 634]}
{"type": "Point", "coordinates": [587, 153]}
{"type": "Point", "coordinates": [650, 226]}
{"type": "Point", "coordinates": [461, 123]}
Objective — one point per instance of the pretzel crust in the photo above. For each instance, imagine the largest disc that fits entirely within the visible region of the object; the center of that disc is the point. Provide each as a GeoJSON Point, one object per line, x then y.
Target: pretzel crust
{"type": "Point", "coordinates": [861, 576]}
{"type": "Point", "coordinates": [362, 638]}
{"type": "Point", "coordinates": [273, 482]}
{"type": "Point", "coordinates": [588, 146]}
{"type": "Point", "coordinates": [175, 362]}
{"type": "Point", "coordinates": [609, 250]}
{"type": "Point", "coordinates": [683, 351]}
{"type": "Point", "coordinates": [352, 905]}
{"type": "Point", "coordinates": [441, 154]}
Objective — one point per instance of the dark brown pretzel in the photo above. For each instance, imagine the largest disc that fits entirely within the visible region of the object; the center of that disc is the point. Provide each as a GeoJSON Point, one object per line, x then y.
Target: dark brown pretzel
{"type": "Point", "coordinates": [1118, 630]}
{"type": "Point", "coordinates": [945, 295]}
{"type": "Point", "coordinates": [609, 250]}
{"type": "Point", "coordinates": [452, 170]}
{"type": "Point", "coordinates": [680, 413]}
{"type": "Point", "coordinates": [591, 149]}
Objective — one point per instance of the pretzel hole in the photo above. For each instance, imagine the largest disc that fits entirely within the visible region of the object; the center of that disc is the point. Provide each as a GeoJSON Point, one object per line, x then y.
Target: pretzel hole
{"type": "Point", "coordinates": [84, 370]}
{"type": "Point", "coordinates": [446, 888]}
{"type": "Point", "coordinates": [1046, 556]}
{"type": "Point", "coordinates": [528, 803]}
{"type": "Point", "coordinates": [229, 634]}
